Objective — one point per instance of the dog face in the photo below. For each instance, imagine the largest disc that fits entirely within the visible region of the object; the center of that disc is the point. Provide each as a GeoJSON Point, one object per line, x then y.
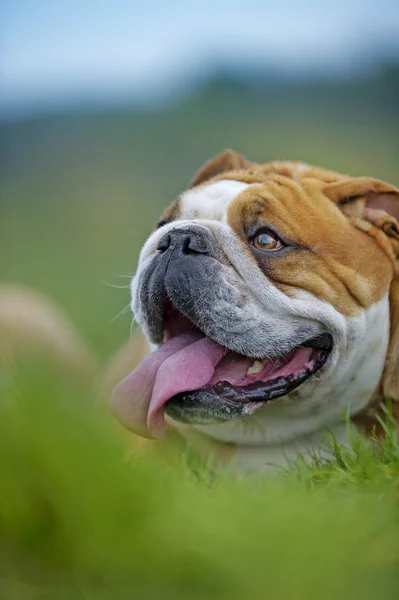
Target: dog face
{"type": "Point", "coordinates": [268, 292]}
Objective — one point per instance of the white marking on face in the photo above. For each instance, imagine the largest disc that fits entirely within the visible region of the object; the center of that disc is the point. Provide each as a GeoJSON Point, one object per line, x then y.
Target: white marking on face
{"type": "Point", "coordinates": [206, 205]}
{"type": "Point", "coordinates": [210, 201]}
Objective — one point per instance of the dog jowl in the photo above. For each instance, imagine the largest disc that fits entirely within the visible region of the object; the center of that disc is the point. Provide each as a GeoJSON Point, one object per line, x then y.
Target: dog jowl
{"type": "Point", "coordinates": [270, 296]}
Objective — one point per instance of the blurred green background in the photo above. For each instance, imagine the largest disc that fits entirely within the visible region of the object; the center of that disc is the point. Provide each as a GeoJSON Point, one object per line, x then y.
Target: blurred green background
{"type": "Point", "coordinates": [107, 109]}
{"type": "Point", "coordinates": [80, 192]}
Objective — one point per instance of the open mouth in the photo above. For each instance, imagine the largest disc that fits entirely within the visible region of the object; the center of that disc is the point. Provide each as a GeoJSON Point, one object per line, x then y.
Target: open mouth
{"type": "Point", "coordinates": [236, 385]}
{"type": "Point", "coordinates": [240, 385]}
{"type": "Point", "coordinates": [193, 379]}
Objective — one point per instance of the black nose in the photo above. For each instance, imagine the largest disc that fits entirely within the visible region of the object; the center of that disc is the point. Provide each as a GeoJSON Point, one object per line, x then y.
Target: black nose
{"type": "Point", "coordinates": [185, 241]}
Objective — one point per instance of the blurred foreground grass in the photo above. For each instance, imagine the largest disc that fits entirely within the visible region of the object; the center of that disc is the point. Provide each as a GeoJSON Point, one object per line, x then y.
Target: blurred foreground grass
{"type": "Point", "coordinates": [79, 195]}
{"type": "Point", "coordinates": [79, 520]}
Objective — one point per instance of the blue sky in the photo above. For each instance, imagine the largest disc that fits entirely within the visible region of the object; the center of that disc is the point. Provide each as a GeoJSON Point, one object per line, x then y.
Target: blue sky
{"type": "Point", "coordinates": [52, 51]}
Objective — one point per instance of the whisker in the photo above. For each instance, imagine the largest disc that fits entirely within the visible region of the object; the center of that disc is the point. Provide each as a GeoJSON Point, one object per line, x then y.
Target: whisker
{"type": "Point", "coordinates": [119, 287]}
{"type": "Point", "coordinates": [122, 312]}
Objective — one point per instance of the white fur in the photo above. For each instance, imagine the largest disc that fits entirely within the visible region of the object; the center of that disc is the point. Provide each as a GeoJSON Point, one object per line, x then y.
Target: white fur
{"type": "Point", "coordinates": [210, 201]}
{"type": "Point", "coordinates": [317, 444]}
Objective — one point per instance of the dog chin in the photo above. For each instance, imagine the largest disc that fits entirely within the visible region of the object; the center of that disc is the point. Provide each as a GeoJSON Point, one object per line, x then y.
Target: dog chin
{"type": "Point", "coordinates": [202, 407]}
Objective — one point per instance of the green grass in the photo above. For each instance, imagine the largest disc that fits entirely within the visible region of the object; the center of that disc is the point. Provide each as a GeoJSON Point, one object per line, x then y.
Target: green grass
{"type": "Point", "coordinates": [78, 520]}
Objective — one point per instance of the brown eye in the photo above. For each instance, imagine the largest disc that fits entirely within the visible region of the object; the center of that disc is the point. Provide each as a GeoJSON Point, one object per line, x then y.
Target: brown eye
{"type": "Point", "coordinates": [267, 241]}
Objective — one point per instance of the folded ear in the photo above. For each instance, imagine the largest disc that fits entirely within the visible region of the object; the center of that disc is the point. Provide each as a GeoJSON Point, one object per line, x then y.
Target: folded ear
{"type": "Point", "coordinates": [229, 160]}
{"type": "Point", "coordinates": [375, 203]}
{"type": "Point", "coordinates": [369, 200]}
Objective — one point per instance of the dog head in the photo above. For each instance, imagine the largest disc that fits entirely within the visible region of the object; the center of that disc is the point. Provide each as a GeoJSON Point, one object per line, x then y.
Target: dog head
{"type": "Point", "coordinates": [269, 292]}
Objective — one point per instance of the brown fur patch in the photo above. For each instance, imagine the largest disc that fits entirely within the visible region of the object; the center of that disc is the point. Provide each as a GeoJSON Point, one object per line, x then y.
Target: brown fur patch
{"type": "Point", "coordinates": [326, 255]}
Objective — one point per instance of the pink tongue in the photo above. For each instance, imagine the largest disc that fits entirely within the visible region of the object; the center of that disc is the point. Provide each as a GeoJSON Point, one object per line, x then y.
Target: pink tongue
{"type": "Point", "coordinates": [189, 369]}
{"type": "Point", "coordinates": [184, 363]}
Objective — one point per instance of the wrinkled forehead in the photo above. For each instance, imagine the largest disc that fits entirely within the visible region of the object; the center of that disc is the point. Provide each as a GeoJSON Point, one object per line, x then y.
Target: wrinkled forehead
{"type": "Point", "coordinates": [236, 203]}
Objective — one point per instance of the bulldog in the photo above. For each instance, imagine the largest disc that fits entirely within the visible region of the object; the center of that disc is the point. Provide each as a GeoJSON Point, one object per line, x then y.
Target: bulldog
{"type": "Point", "coordinates": [269, 298]}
